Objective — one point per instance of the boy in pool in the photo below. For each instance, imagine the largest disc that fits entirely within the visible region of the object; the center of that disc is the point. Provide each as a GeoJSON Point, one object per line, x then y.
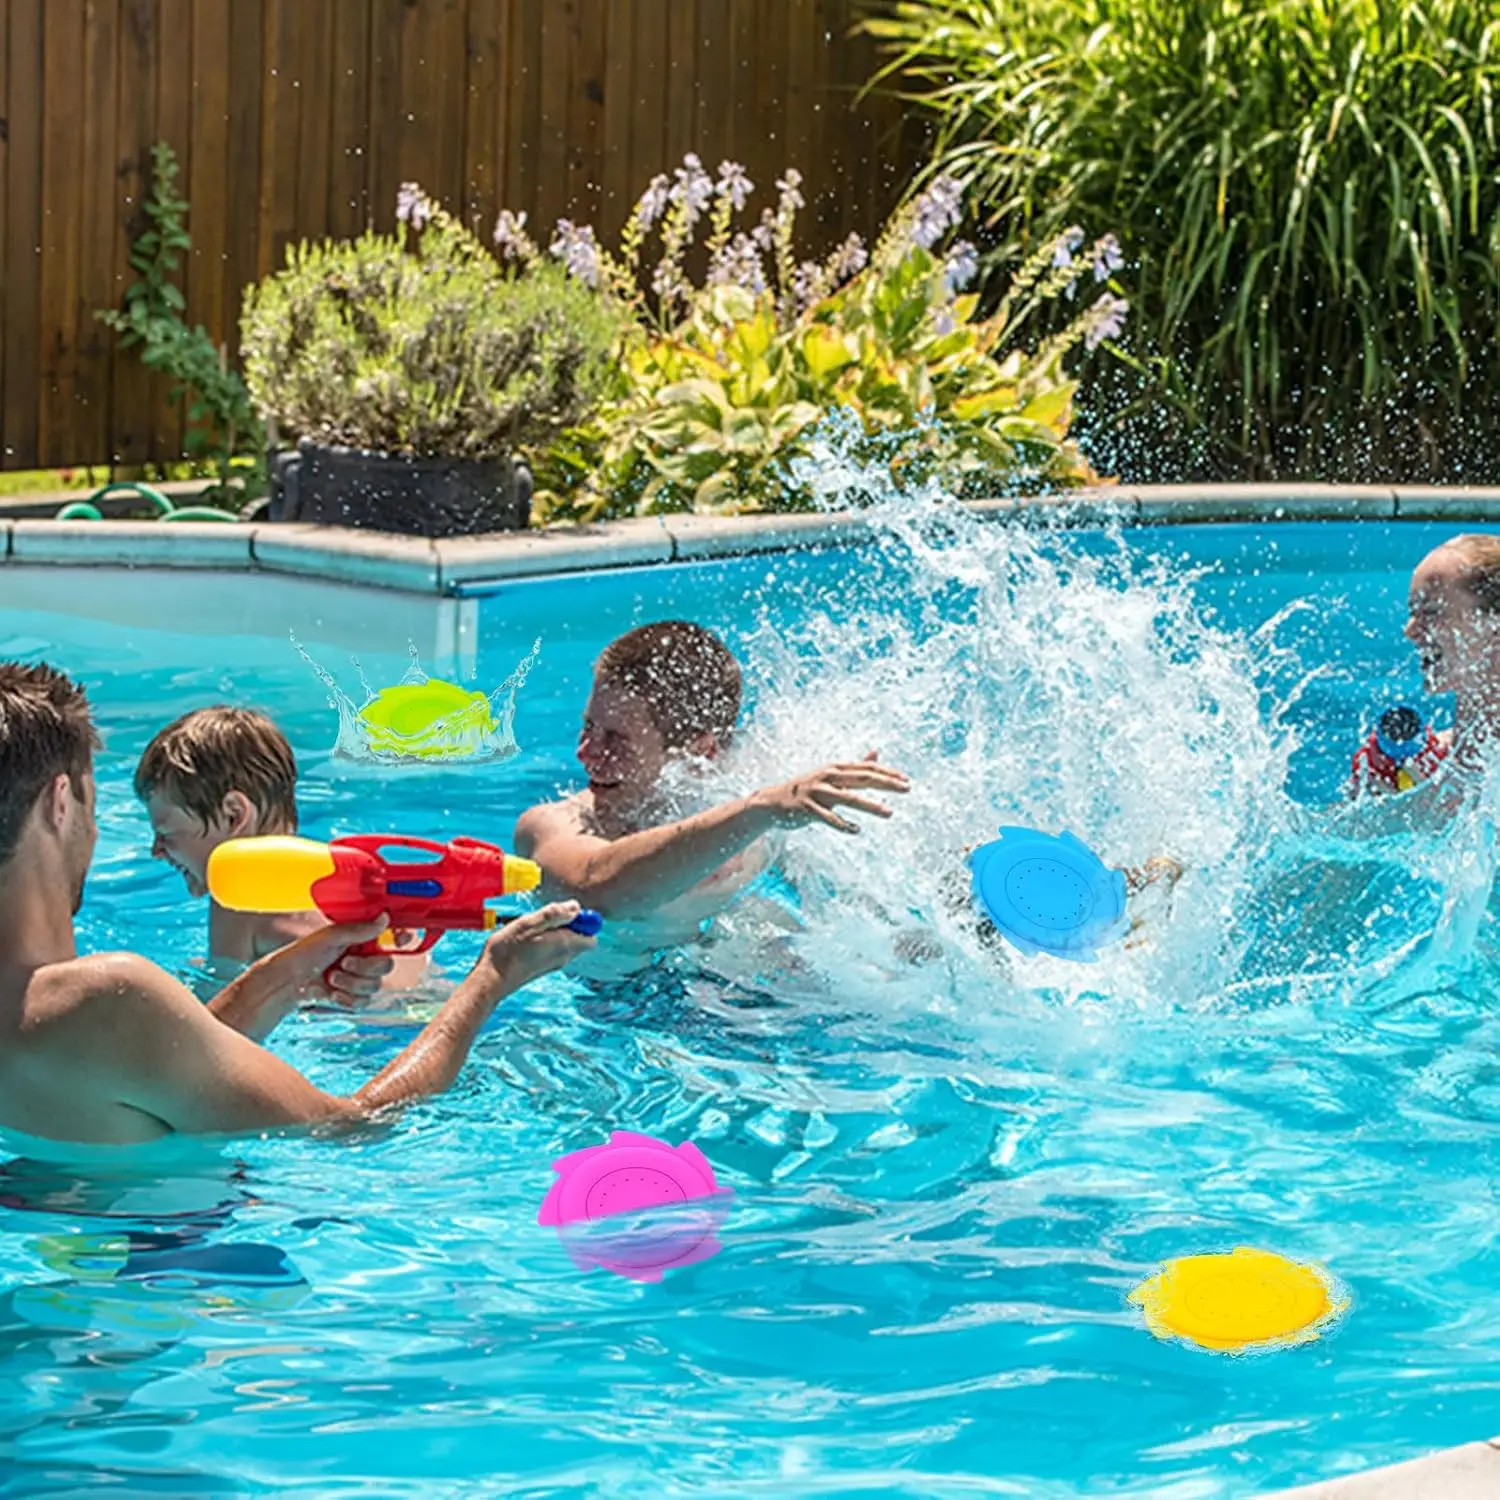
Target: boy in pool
{"type": "Point", "coordinates": [226, 773]}
{"type": "Point", "coordinates": [663, 693]}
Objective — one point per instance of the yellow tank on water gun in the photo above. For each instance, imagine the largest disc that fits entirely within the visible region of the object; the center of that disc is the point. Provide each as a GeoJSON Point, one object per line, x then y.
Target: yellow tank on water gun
{"type": "Point", "coordinates": [349, 880]}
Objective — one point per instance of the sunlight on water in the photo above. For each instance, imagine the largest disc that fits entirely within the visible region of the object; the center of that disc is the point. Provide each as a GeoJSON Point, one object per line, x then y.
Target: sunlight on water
{"type": "Point", "coordinates": [422, 719]}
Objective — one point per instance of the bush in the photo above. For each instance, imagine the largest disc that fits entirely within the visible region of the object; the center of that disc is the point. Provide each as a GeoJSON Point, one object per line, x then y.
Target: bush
{"type": "Point", "coordinates": [431, 351]}
{"type": "Point", "coordinates": [1311, 189]}
{"type": "Point", "coordinates": [729, 381]}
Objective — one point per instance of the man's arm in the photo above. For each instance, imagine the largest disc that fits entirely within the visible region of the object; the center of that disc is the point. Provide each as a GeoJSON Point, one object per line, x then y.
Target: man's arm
{"type": "Point", "coordinates": [142, 1037]}
{"type": "Point", "coordinates": [633, 875]}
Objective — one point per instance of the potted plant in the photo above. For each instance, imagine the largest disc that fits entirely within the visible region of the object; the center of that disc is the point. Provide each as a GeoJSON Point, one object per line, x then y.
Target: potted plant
{"type": "Point", "coordinates": [415, 370]}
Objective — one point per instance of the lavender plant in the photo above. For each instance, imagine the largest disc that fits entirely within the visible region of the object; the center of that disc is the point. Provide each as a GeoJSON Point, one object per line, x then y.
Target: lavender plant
{"type": "Point", "coordinates": [421, 343]}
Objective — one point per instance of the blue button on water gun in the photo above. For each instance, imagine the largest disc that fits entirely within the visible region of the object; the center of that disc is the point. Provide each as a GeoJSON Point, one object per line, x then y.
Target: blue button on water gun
{"type": "Point", "coordinates": [1049, 893]}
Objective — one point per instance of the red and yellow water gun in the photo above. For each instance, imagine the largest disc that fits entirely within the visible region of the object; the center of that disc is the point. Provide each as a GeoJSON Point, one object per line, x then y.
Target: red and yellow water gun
{"type": "Point", "coordinates": [349, 880]}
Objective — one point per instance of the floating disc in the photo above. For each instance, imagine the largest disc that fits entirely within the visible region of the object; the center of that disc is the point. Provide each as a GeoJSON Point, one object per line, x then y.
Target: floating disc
{"type": "Point", "coordinates": [661, 1202]}
{"type": "Point", "coordinates": [1049, 894]}
{"type": "Point", "coordinates": [1246, 1301]}
{"type": "Point", "coordinates": [397, 717]}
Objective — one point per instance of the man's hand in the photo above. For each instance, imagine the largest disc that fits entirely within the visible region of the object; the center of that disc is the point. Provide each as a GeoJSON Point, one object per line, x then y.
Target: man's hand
{"type": "Point", "coordinates": [813, 798]}
{"type": "Point", "coordinates": [535, 944]}
{"type": "Point", "coordinates": [351, 977]}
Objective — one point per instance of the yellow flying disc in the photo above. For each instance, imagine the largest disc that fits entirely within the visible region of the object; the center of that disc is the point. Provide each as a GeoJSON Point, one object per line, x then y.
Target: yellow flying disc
{"type": "Point", "coordinates": [398, 717]}
{"type": "Point", "coordinates": [1248, 1300]}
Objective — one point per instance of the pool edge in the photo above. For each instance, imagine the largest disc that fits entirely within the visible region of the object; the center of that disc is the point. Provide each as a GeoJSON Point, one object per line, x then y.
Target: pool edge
{"type": "Point", "coordinates": [452, 566]}
{"type": "Point", "coordinates": [1470, 1471]}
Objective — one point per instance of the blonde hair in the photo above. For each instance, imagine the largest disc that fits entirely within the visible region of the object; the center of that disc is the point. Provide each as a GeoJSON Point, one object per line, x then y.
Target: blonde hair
{"type": "Point", "coordinates": [1480, 553]}
{"type": "Point", "coordinates": [200, 758]}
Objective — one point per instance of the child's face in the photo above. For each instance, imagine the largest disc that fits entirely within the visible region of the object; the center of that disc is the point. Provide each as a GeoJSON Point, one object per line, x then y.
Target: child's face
{"type": "Point", "coordinates": [183, 841]}
{"type": "Point", "coordinates": [620, 748]}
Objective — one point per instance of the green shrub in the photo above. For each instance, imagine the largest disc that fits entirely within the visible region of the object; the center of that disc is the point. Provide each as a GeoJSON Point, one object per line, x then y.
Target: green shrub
{"type": "Point", "coordinates": [1311, 189]}
{"type": "Point", "coordinates": [222, 428]}
{"type": "Point", "coordinates": [431, 350]}
{"type": "Point", "coordinates": [729, 381]}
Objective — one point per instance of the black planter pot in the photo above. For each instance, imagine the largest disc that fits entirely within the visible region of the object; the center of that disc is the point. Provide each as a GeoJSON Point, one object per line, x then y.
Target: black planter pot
{"type": "Point", "coordinates": [331, 486]}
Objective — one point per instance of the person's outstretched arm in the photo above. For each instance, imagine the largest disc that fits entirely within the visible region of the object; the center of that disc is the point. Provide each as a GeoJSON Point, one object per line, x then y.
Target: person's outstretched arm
{"type": "Point", "coordinates": [143, 1039]}
{"type": "Point", "coordinates": [633, 875]}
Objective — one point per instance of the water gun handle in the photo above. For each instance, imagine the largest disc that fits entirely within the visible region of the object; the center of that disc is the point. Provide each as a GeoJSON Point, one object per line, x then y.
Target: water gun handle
{"type": "Point", "coordinates": [375, 947]}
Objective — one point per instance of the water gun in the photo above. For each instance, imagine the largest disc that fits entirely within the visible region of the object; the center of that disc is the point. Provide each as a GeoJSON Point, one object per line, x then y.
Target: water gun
{"type": "Point", "coordinates": [1400, 752]}
{"type": "Point", "coordinates": [348, 880]}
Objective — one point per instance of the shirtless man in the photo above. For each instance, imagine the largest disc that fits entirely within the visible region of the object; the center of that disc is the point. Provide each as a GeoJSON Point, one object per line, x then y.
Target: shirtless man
{"type": "Point", "coordinates": [109, 1049]}
{"type": "Point", "coordinates": [661, 693]}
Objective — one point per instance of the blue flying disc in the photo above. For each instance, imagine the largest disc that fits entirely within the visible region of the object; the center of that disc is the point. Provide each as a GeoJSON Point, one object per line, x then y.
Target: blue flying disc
{"type": "Point", "coordinates": [1049, 894]}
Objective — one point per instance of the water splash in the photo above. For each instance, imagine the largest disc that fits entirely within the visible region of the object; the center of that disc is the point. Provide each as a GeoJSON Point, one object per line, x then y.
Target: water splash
{"type": "Point", "coordinates": [478, 727]}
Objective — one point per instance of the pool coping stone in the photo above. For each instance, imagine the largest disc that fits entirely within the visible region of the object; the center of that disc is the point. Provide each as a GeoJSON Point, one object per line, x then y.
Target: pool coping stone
{"type": "Point", "coordinates": [1470, 1471]}
{"type": "Point", "coordinates": [453, 565]}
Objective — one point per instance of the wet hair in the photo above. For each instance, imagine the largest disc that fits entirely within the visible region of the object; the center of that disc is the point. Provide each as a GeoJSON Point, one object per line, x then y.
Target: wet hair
{"type": "Point", "coordinates": [200, 758]}
{"type": "Point", "coordinates": [46, 730]}
{"type": "Point", "coordinates": [685, 675]}
{"type": "Point", "coordinates": [1480, 553]}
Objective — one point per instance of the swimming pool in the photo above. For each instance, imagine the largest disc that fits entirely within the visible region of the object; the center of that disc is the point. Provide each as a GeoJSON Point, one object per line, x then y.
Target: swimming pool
{"type": "Point", "coordinates": [946, 1179]}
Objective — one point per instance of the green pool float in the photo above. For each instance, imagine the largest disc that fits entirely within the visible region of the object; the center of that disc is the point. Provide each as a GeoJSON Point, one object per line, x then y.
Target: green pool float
{"type": "Point", "coordinates": [397, 719]}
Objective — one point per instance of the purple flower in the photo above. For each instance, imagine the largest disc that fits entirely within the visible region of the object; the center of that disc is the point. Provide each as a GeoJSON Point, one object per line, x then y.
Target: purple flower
{"type": "Point", "coordinates": [789, 187]}
{"type": "Point", "coordinates": [734, 184]}
{"type": "Point", "coordinates": [739, 264]}
{"type": "Point", "coordinates": [653, 202]}
{"type": "Point", "coordinates": [1106, 320]}
{"type": "Point", "coordinates": [575, 246]}
{"type": "Point", "coordinates": [1108, 257]}
{"type": "Point", "coordinates": [1064, 246]}
{"type": "Point", "coordinates": [848, 260]}
{"type": "Point", "coordinates": [943, 323]}
{"type": "Point", "coordinates": [694, 188]}
{"type": "Point", "coordinates": [510, 234]}
{"type": "Point", "coordinates": [412, 205]}
{"type": "Point", "coordinates": [936, 211]}
{"type": "Point", "coordinates": [960, 268]}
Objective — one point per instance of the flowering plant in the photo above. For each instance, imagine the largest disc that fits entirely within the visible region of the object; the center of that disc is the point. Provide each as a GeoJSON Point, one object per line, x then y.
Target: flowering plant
{"type": "Point", "coordinates": [421, 343]}
{"type": "Point", "coordinates": [729, 379]}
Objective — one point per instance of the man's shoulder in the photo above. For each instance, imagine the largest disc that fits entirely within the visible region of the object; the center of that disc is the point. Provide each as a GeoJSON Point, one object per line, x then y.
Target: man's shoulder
{"type": "Point", "coordinates": [64, 990]}
{"type": "Point", "coordinates": [573, 814]}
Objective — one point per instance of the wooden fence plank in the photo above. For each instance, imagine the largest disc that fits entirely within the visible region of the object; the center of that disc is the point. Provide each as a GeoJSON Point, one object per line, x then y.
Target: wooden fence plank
{"type": "Point", "coordinates": [312, 60]}
{"type": "Point", "coordinates": [623, 181]}
{"type": "Point", "coordinates": [524, 189]}
{"type": "Point", "coordinates": [62, 220]}
{"type": "Point", "coordinates": [101, 284]}
{"type": "Point", "coordinates": [174, 57]}
{"type": "Point", "coordinates": [208, 174]}
{"type": "Point", "coordinates": [648, 124]}
{"type": "Point", "coordinates": [242, 230]}
{"type": "Point", "coordinates": [21, 238]}
{"type": "Point", "coordinates": [4, 168]}
{"type": "Point", "coordinates": [553, 75]}
{"type": "Point", "coordinates": [383, 175]}
{"type": "Point", "coordinates": [682, 83]}
{"type": "Point", "coordinates": [585, 123]}
{"type": "Point", "coordinates": [348, 204]}
{"type": "Point", "coordinates": [714, 77]}
{"type": "Point", "coordinates": [484, 123]}
{"type": "Point", "coordinates": [280, 124]}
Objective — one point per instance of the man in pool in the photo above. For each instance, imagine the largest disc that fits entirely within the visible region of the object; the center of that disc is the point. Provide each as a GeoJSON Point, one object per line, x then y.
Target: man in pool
{"type": "Point", "coordinates": [666, 693]}
{"type": "Point", "coordinates": [226, 773]}
{"type": "Point", "coordinates": [109, 1048]}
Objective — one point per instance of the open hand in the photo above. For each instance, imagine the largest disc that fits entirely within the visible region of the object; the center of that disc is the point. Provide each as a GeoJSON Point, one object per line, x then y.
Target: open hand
{"type": "Point", "coordinates": [536, 944]}
{"type": "Point", "coordinates": [817, 796]}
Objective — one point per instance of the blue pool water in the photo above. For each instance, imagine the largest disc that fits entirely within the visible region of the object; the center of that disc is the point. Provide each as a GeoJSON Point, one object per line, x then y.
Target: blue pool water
{"type": "Point", "coordinates": [947, 1178]}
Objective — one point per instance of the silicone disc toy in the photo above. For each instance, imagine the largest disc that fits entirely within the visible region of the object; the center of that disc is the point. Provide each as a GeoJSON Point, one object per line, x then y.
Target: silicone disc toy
{"type": "Point", "coordinates": [398, 715]}
{"type": "Point", "coordinates": [637, 1206]}
{"type": "Point", "coordinates": [1049, 894]}
{"type": "Point", "coordinates": [1247, 1301]}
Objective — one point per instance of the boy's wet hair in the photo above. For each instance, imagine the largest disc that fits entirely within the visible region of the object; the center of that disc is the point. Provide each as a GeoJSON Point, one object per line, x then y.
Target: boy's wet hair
{"type": "Point", "coordinates": [1480, 551]}
{"type": "Point", "coordinates": [45, 731]}
{"type": "Point", "coordinates": [686, 676]}
{"type": "Point", "coordinates": [200, 758]}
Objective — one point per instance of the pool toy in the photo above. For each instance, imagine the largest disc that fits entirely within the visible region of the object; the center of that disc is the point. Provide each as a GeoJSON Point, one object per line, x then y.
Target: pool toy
{"type": "Point", "coordinates": [397, 718]}
{"type": "Point", "coordinates": [637, 1206]}
{"type": "Point", "coordinates": [1400, 751]}
{"type": "Point", "coordinates": [348, 881]}
{"type": "Point", "coordinates": [1248, 1301]}
{"type": "Point", "coordinates": [1049, 894]}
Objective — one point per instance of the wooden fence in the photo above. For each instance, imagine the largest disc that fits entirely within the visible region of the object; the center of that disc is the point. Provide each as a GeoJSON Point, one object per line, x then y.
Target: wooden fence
{"type": "Point", "coordinates": [299, 118]}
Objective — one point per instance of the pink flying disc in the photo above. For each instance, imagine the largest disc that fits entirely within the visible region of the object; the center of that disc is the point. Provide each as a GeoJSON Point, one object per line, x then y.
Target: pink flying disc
{"type": "Point", "coordinates": [661, 1202]}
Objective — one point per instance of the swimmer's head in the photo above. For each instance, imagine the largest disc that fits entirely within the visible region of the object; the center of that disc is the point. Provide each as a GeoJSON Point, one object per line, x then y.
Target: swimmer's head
{"type": "Point", "coordinates": [47, 744]}
{"type": "Point", "coordinates": [1454, 619]}
{"type": "Point", "coordinates": [660, 692]}
{"type": "Point", "coordinates": [213, 775]}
